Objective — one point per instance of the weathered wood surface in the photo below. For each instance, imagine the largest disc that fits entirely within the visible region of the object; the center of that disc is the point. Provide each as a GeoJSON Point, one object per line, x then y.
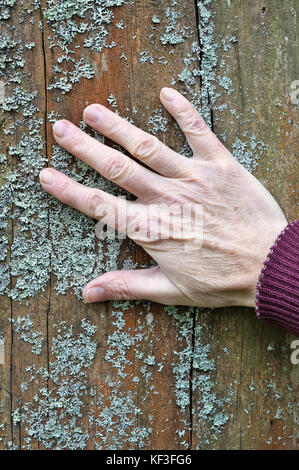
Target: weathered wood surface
{"type": "Point", "coordinates": [245, 389]}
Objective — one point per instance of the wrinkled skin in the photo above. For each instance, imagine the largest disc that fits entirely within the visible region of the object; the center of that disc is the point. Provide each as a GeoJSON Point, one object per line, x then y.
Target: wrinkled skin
{"type": "Point", "coordinates": [215, 264]}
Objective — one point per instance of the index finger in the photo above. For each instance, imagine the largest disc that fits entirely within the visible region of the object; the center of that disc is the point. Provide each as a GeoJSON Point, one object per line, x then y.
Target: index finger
{"type": "Point", "coordinates": [202, 140]}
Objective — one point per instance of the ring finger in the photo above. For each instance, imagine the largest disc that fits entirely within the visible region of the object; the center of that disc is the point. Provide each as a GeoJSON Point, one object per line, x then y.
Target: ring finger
{"type": "Point", "coordinates": [93, 202]}
{"type": "Point", "coordinates": [109, 162]}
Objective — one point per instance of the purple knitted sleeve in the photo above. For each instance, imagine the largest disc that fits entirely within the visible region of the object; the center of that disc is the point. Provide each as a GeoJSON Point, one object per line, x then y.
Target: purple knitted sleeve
{"type": "Point", "coordinates": [277, 297]}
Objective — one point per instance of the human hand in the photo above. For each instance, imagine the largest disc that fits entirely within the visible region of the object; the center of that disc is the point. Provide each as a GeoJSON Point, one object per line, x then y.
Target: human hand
{"type": "Point", "coordinates": [241, 220]}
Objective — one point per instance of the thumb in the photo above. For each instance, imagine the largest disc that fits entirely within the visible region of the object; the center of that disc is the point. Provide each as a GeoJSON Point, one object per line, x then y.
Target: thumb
{"type": "Point", "coordinates": [146, 284]}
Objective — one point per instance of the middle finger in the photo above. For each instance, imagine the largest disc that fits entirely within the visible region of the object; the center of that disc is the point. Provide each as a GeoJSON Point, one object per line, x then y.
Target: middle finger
{"type": "Point", "coordinates": [145, 147]}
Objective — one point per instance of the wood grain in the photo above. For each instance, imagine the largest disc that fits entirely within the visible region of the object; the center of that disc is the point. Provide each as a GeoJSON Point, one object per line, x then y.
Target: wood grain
{"type": "Point", "coordinates": [252, 377]}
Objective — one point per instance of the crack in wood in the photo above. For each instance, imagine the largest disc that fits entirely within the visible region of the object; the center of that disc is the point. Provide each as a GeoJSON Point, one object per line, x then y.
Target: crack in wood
{"type": "Point", "coordinates": [47, 156]}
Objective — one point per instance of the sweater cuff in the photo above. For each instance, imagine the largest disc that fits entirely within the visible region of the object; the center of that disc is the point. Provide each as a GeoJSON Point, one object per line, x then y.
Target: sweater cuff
{"type": "Point", "coordinates": [277, 295]}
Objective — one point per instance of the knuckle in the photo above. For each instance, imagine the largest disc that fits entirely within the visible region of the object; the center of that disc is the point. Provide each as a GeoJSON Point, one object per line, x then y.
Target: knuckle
{"type": "Point", "coordinates": [95, 204]}
{"type": "Point", "coordinates": [78, 141]}
{"type": "Point", "coordinates": [146, 147]}
{"type": "Point", "coordinates": [184, 110]}
{"type": "Point", "coordinates": [192, 120]}
{"type": "Point", "coordinates": [65, 190]}
{"type": "Point", "coordinates": [118, 289]}
{"type": "Point", "coordinates": [112, 125]}
{"type": "Point", "coordinates": [117, 168]}
{"type": "Point", "coordinates": [229, 169]}
{"type": "Point", "coordinates": [196, 125]}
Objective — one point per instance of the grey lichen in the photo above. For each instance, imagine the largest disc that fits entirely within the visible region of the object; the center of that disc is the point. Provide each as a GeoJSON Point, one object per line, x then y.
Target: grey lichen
{"type": "Point", "coordinates": [25, 329]}
{"type": "Point", "coordinates": [145, 57]}
{"type": "Point", "coordinates": [157, 122]}
{"type": "Point", "coordinates": [171, 34]}
{"type": "Point", "coordinates": [250, 151]}
{"type": "Point", "coordinates": [11, 58]}
{"type": "Point", "coordinates": [53, 418]}
{"type": "Point", "coordinates": [117, 424]}
{"type": "Point", "coordinates": [6, 5]}
{"type": "Point", "coordinates": [208, 408]}
{"type": "Point", "coordinates": [68, 21]}
{"type": "Point", "coordinates": [155, 19]}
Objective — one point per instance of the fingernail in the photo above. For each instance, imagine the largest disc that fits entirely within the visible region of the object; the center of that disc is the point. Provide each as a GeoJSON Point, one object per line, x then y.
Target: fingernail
{"type": "Point", "coordinates": [92, 114]}
{"type": "Point", "coordinates": [168, 94]}
{"type": "Point", "coordinates": [94, 294]}
{"type": "Point", "coordinates": [61, 128]}
{"type": "Point", "coordinates": [47, 177]}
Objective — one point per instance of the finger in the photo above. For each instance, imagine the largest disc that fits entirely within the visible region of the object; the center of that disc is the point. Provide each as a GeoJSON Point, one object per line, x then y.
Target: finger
{"type": "Point", "coordinates": [146, 284]}
{"type": "Point", "coordinates": [143, 146]}
{"type": "Point", "coordinates": [111, 163]}
{"type": "Point", "coordinates": [201, 139]}
{"type": "Point", "coordinates": [90, 201]}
